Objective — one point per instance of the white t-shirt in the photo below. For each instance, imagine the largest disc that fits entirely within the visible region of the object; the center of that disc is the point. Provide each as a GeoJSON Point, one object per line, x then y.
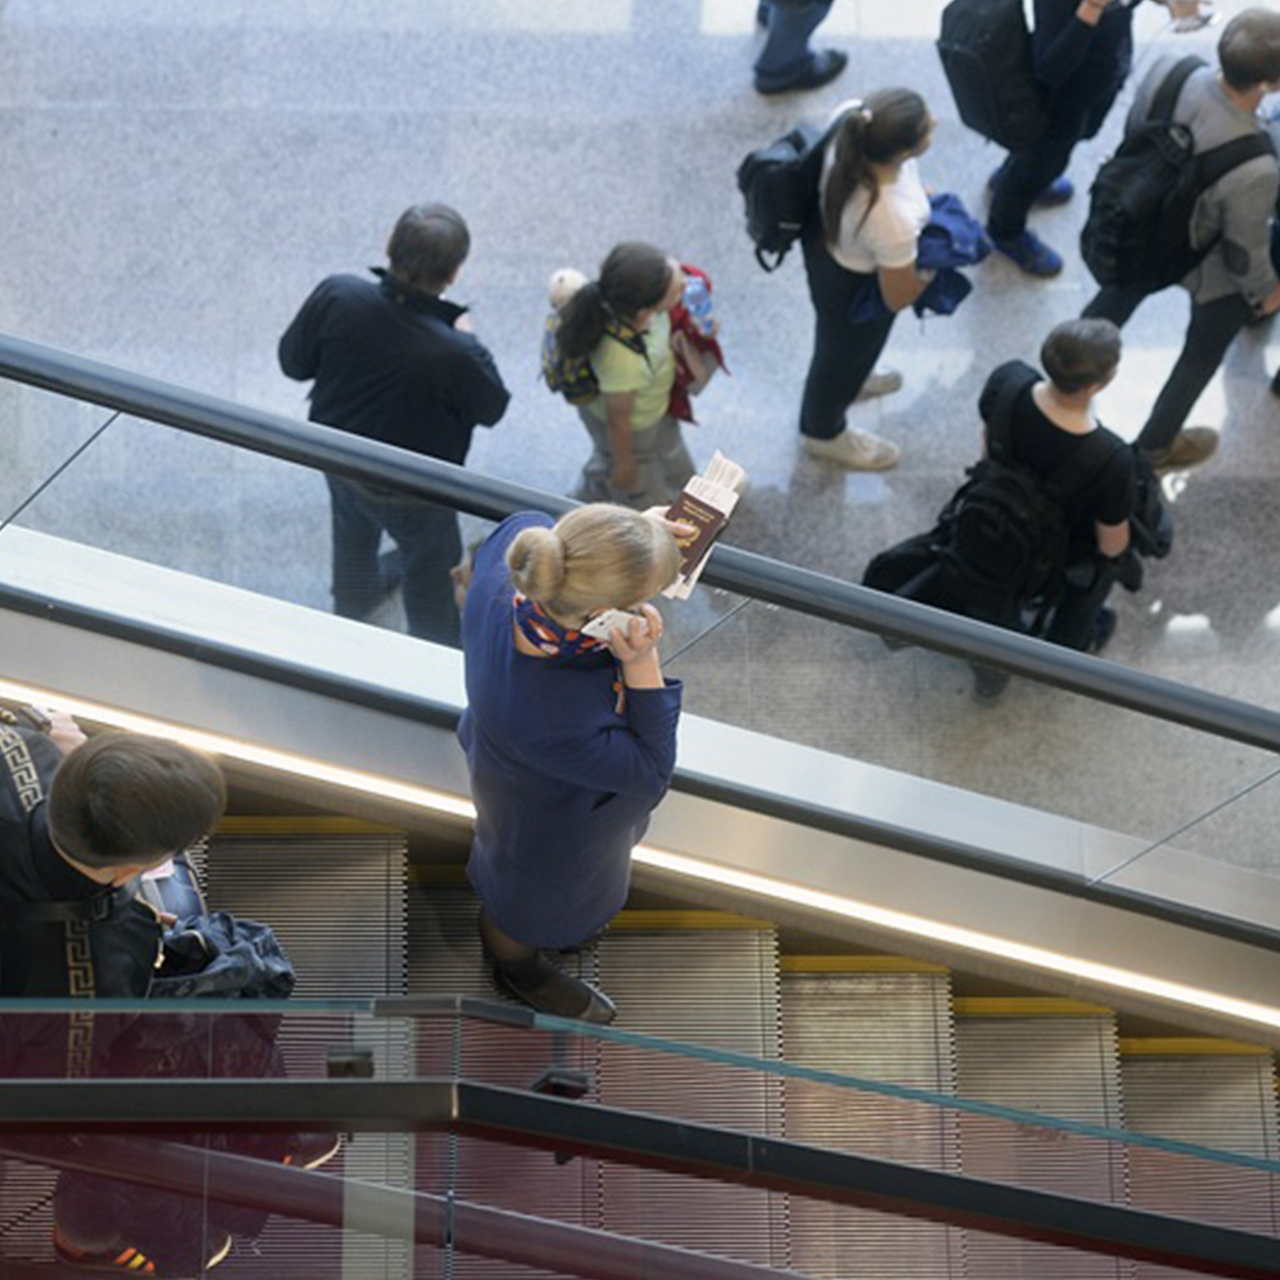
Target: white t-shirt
{"type": "Point", "coordinates": [887, 236]}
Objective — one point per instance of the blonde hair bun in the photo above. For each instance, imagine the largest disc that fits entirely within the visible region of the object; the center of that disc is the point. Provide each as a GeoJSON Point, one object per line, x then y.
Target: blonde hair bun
{"type": "Point", "coordinates": [536, 560]}
{"type": "Point", "coordinates": [599, 556]}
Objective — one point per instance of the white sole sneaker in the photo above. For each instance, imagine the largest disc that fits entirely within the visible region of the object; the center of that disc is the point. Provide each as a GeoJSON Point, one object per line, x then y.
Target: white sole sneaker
{"type": "Point", "coordinates": [882, 382]}
{"type": "Point", "coordinates": [854, 450]}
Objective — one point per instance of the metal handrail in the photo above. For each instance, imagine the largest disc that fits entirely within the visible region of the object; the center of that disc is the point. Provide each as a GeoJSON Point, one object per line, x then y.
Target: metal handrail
{"type": "Point", "coordinates": [164, 1107]}
{"type": "Point", "coordinates": [801, 590]}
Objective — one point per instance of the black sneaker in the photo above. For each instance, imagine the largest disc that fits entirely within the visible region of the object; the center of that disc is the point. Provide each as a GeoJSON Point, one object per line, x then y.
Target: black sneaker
{"type": "Point", "coordinates": [822, 68]}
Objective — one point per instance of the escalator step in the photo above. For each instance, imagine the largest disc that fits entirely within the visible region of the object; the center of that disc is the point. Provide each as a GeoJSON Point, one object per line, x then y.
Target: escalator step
{"type": "Point", "coordinates": [879, 1018]}
{"type": "Point", "coordinates": [1211, 1093]}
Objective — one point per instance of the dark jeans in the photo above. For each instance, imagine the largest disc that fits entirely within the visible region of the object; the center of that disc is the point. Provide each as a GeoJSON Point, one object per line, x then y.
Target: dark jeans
{"type": "Point", "coordinates": [1025, 174]}
{"type": "Point", "coordinates": [1209, 334]}
{"type": "Point", "coordinates": [844, 353]}
{"type": "Point", "coordinates": [786, 51]}
{"type": "Point", "coordinates": [428, 538]}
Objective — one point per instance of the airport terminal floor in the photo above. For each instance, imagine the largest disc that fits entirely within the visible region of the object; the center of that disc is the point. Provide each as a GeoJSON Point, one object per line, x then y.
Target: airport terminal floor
{"type": "Point", "coordinates": [178, 177]}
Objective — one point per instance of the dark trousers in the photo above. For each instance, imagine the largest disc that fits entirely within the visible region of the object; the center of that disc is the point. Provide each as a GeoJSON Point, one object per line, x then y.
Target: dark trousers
{"type": "Point", "coordinates": [844, 353]}
{"type": "Point", "coordinates": [1026, 173]}
{"type": "Point", "coordinates": [1074, 616]}
{"type": "Point", "coordinates": [1209, 333]}
{"type": "Point", "coordinates": [429, 541]}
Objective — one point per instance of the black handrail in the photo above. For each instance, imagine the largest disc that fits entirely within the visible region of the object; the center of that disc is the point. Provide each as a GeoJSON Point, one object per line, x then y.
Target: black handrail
{"type": "Point", "coordinates": [840, 822]}
{"type": "Point", "coordinates": [801, 590]}
{"type": "Point", "coordinates": [391, 1213]}
{"type": "Point", "coordinates": [150, 1107]}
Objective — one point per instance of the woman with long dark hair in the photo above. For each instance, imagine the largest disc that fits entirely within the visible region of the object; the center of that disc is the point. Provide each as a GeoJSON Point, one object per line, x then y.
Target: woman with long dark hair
{"type": "Point", "coordinates": [873, 207]}
{"type": "Point", "coordinates": [571, 740]}
{"type": "Point", "coordinates": [620, 323]}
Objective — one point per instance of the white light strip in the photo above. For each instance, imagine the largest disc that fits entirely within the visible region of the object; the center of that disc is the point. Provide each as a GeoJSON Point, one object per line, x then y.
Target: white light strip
{"type": "Point", "coordinates": [676, 863]}
{"type": "Point", "coordinates": [953, 935]}
{"type": "Point", "coordinates": [237, 749]}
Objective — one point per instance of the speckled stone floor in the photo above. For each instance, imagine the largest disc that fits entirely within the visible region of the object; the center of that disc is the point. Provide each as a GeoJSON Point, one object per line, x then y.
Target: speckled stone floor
{"type": "Point", "coordinates": [177, 177]}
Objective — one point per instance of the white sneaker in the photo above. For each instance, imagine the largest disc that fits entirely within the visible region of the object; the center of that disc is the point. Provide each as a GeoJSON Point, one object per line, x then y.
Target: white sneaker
{"type": "Point", "coordinates": [881, 382]}
{"type": "Point", "coordinates": [857, 450]}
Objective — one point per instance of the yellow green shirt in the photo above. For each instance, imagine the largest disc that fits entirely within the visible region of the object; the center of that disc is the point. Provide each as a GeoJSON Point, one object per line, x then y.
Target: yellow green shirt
{"type": "Point", "coordinates": [619, 370]}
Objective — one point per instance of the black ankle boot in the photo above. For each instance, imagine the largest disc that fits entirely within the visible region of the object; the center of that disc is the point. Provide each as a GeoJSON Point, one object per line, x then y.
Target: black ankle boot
{"type": "Point", "coordinates": [548, 989]}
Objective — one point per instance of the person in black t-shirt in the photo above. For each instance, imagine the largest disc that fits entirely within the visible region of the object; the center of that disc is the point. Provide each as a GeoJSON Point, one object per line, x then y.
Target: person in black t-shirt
{"type": "Point", "coordinates": [1052, 418]}
{"type": "Point", "coordinates": [395, 361]}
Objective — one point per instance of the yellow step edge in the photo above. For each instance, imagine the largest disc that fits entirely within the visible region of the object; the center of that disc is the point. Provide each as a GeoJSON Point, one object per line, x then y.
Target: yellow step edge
{"type": "Point", "coordinates": [1188, 1046]}
{"type": "Point", "coordinates": [301, 825]}
{"type": "Point", "coordinates": [1024, 1007]}
{"type": "Point", "coordinates": [668, 921]}
{"type": "Point", "coordinates": [858, 964]}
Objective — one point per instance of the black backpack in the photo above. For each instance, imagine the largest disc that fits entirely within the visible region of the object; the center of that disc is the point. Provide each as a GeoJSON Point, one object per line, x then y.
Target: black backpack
{"type": "Point", "coordinates": [1002, 540]}
{"type": "Point", "coordinates": [1142, 202]}
{"type": "Point", "coordinates": [986, 55]}
{"type": "Point", "coordinates": [779, 185]}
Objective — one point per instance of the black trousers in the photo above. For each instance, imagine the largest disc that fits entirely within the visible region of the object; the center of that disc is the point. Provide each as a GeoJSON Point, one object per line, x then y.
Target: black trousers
{"type": "Point", "coordinates": [1209, 333]}
{"type": "Point", "coordinates": [844, 353]}
{"type": "Point", "coordinates": [1026, 173]}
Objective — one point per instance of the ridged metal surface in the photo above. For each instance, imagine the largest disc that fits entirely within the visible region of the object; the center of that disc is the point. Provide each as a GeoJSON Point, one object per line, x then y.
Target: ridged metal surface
{"type": "Point", "coordinates": [713, 987]}
{"type": "Point", "coordinates": [337, 903]}
{"type": "Point", "coordinates": [445, 958]}
{"type": "Point", "coordinates": [886, 1026]}
{"type": "Point", "coordinates": [1218, 1101]}
{"type": "Point", "coordinates": [1066, 1067]}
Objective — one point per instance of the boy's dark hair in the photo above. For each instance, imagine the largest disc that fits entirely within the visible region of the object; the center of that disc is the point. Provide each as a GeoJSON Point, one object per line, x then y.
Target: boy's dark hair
{"type": "Point", "coordinates": [1081, 353]}
{"type": "Point", "coordinates": [1249, 49]}
{"type": "Point", "coordinates": [122, 799]}
{"type": "Point", "coordinates": [427, 246]}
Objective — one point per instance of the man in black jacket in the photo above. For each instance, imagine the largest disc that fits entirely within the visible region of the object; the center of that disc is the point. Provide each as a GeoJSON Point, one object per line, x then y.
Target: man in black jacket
{"type": "Point", "coordinates": [394, 361]}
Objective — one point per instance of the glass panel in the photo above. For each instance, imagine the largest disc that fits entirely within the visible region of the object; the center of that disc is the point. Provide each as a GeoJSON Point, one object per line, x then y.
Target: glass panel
{"type": "Point", "coordinates": [912, 711]}
{"type": "Point", "coordinates": [513, 1205]}
{"type": "Point", "coordinates": [43, 434]}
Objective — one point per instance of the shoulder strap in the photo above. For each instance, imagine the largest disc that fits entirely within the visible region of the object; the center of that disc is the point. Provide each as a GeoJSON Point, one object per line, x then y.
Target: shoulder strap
{"type": "Point", "coordinates": [1166, 96]}
{"type": "Point", "coordinates": [93, 910]}
{"type": "Point", "coordinates": [1000, 420]}
{"type": "Point", "coordinates": [1217, 162]}
{"type": "Point", "coordinates": [629, 338]}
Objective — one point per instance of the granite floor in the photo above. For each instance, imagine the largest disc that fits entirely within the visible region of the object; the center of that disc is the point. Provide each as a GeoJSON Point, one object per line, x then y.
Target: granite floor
{"type": "Point", "coordinates": [178, 176]}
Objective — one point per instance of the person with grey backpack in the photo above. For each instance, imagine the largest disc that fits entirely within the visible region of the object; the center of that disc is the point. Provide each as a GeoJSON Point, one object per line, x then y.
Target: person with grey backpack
{"type": "Point", "coordinates": [1234, 279]}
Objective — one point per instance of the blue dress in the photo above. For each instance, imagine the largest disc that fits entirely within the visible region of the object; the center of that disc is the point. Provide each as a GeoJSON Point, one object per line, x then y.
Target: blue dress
{"type": "Point", "coordinates": [566, 766]}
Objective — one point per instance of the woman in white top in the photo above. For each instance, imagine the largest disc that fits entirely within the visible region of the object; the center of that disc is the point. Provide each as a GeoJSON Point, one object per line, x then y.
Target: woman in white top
{"type": "Point", "coordinates": [873, 208]}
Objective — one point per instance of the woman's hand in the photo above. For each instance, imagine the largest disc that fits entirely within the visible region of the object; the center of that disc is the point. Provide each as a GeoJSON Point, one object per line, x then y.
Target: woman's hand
{"type": "Point", "coordinates": [637, 649]}
{"type": "Point", "coordinates": [676, 528]}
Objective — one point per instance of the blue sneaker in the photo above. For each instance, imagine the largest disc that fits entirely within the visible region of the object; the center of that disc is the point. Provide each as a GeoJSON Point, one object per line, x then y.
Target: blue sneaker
{"type": "Point", "coordinates": [1059, 191]}
{"type": "Point", "coordinates": [1030, 253]}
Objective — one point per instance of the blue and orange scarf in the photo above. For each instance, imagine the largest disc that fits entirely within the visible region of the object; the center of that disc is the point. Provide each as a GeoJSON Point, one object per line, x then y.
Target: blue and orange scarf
{"type": "Point", "coordinates": [547, 635]}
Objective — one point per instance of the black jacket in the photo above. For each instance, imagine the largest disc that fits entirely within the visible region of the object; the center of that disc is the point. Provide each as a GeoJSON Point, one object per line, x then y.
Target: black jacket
{"type": "Point", "coordinates": [389, 364]}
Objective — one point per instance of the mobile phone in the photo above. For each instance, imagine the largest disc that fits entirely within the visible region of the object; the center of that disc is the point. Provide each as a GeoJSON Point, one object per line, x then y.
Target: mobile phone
{"type": "Point", "coordinates": [600, 627]}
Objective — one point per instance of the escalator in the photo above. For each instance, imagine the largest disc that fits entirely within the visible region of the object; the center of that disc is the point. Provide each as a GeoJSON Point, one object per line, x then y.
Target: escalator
{"type": "Point", "coordinates": [819, 952]}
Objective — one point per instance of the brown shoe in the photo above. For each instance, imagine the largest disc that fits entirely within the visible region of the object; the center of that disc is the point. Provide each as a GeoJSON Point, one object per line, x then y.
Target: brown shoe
{"type": "Point", "coordinates": [1190, 447]}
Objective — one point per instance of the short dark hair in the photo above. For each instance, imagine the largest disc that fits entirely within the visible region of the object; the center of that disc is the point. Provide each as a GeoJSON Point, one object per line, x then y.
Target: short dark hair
{"type": "Point", "coordinates": [122, 799]}
{"type": "Point", "coordinates": [1249, 49]}
{"type": "Point", "coordinates": [1081, 353]}
{"type": "Point", "coordinates": [427, 246]}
